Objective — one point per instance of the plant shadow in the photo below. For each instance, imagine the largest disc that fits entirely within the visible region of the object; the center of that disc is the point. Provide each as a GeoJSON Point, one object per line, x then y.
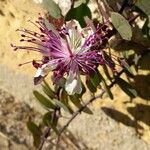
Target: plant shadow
{"type": "Point", "coordinates": [142, 85]}
{"type": "Point", "coordinates": [140, 113]}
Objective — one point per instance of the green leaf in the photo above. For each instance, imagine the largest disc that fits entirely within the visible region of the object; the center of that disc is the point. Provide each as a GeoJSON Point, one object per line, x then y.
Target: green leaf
{"type": "Point", "coordinates": [61, 105]}
{"type": "Point", "coordinates": [126, 87]}
{"type": "Point", "coordinates": [64, 100]}
{"type": "Point", "coordinates": [47, 118]}
{"type": "Point", "coordinates": [61, 82]}
{"type": "Point", "coordinates": [36, 132]}
{"type": "Point", "coordinates": [77, 102]}
{"type": "Point", "coordinates": [146, 27]}
{"type": "Point", "coordinates": [107, 72]}
{"type": "Point", "coordinates": [126, 66]}
{"type": "Point", "coordinates": [121, 25]}
{"type": "Point", "coordinates": [78, 14]}
{"type": "Point", "coordinates": [52, 8]}
{"type": "Point", "coordinates": [95, 79]}
{"type": "Point", "coordinates": [77, 3]}
{"type": "Point", "coordinates": [109, 60]}
{"type": "Point", "coordinates": [90, 86]}
{"type": "Point", "coordinates": [108, 91]}
{"type": "Point", "coordinates": [45, 102]}
{"type": "Point", "coordinates": [83, 91]}
{"type": "Point", "coordinates": [49, 121]}
{"type": "Point", "coordinates": [144, 5]}
{"type": "Point", "coordinates": [64, 96]}
{"type": "Point", "coordinates": [47, 90]}
{"type": "Point", "coordinates": [33, 128]}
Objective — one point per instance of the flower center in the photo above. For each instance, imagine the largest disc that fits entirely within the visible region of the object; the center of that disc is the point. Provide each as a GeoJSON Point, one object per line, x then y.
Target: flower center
{"type": "Point", "coordinates": [71, 56]}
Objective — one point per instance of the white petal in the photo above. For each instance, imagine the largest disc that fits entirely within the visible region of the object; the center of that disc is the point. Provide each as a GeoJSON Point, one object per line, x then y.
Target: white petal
{"type": "Point", "coordinates": [73, 85]}
{"type": "Point", "coordinates": [43, 71]}
{"type": "Point", "coordinates": [75, 37]}
{"type": "Point", "coordinates": [52, 64]}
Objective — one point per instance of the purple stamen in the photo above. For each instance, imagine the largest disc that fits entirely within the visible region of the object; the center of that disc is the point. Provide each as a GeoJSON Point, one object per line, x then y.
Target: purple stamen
{"type": "Point", "coordinates": [58, 52]}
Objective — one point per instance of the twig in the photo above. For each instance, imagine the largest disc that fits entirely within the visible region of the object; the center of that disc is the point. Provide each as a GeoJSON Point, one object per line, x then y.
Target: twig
{"type": "Point", "coordinates": [48, 129]}
{"type": "Point", "coordinates": [102, 9]}
{"type": "Point", "coordinates": [79, 111]}
{"type": "Point", "coordinates": [85, 105]}
{"type": "Point", "coordinates": [44, 137]}
{"type": "Point", "coordinates": [125, 4]}
{"type": "Point", "coordinates": [72, 4]}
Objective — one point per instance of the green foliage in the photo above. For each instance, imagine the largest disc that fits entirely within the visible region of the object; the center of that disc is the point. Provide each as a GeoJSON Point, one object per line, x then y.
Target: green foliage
{"type": "Point", "coordinates": [52, 8]}
{"type": "Point", "coordinates": [107, 73]}
{"type": "Point", "coordinates": [64, 99]}
{"type": "Point", "coordinates": [47, 118]}
{"type": "Point", "coordinates": [83, 91]}
{"type": "Point", "coordinates": [146, 27]}
{"type": "Point", "coordinates": [48, 91]}
{"type": "Point", "coordinates": [77, 3]}
{"type": "Point", "coordinates": [90, 86]}
{"type": "Point", "coordinates": [45, 102]}
{"type": "Point", "coordinates": [77, 102]}
{"type": "Point", "coordinates": [61, 105]}
{"type": "Point", "coordinates": [78, 14]}
{"type": "Point", "coordinates": [50, 121]}
{"type": "Point", "coordinates": [36, 132]}
{"type": "Point", "coordinates": [126, 87]}
{"type": "Point", "coordinates": [121, 25]}
{"type": "Point", "coordinates": [93, 81]}
{"type": "Point", "coordinates": [126, 66]}
{"type": "Point", "coordinates": [54, 101]}
{"type": "Point", "coordinates": [144, 5]}
{"type": "Point", "coordinates": [107, 89]}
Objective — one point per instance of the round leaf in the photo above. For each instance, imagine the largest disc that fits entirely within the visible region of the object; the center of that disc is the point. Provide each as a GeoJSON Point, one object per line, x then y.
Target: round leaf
{"type": "Point", "coordinates": [121, 25]}
{"type": "Point", "coordinates": [52, 8]}
{"type": "Point", "coordinates": [78, 14]}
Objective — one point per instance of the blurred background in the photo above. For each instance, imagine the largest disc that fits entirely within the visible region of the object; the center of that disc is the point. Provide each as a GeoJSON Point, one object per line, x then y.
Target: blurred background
{"type": "Point", "coordinates": [115, 125]}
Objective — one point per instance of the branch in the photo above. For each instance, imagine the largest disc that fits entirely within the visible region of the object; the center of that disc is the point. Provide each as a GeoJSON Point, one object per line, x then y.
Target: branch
{"type": "Point", "coordinates": [79, 111]}
{"type": "Point", "coordinates": [44, 137]}
{"type": "Point", "coordinates": [85, 105]}
{"type": "Point", "coordinates": [48, 129]}
{"type": "Point", "coordinates": [102, 9]}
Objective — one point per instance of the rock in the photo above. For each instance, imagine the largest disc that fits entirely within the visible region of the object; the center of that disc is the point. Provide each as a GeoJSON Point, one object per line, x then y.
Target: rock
{"type": "Point", "coordinates": [99, 132]}
{"type": "Point", "coordinates": [13, 119]}
{"type": "Point", "coordinates": [3, 142]}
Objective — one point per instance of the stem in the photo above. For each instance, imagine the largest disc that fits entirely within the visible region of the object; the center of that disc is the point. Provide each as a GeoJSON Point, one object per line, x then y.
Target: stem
{"type": "Point", "coordinates": [55, 115]}
{"type": "Point", "coordinates": [79, 111]}
{"type": "Point", "coordinates": [44, 137]}
{"type": "Point", "coordinates": [102, 9]}
{"type": "Point", "coordinates": [85, 105]}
